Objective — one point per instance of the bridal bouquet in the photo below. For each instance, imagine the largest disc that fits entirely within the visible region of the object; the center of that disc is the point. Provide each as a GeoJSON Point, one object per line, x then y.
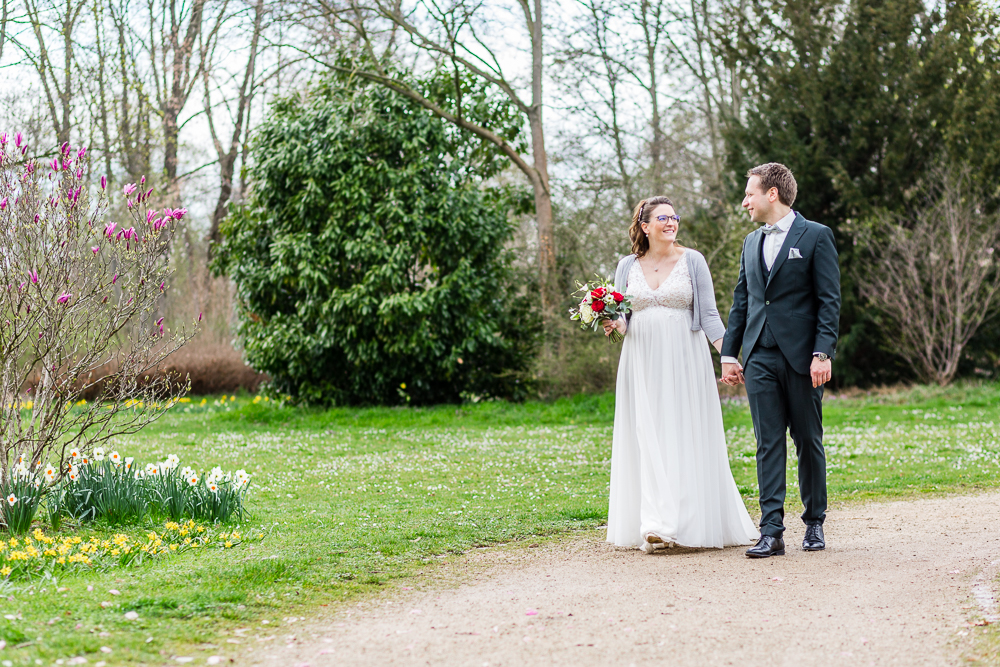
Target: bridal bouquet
{"type": "Point", "coordinates": [600, 302]}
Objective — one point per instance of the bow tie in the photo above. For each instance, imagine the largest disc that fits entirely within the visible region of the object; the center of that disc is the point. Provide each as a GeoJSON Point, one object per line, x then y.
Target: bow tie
{"type": "Point", "coordinates": [771, 229]}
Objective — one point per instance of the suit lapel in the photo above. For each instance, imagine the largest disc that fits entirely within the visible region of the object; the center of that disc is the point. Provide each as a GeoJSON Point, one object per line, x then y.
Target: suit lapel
{"type": "Point", "coordinates": [756, 269]}
{"type": "Point", "coordinates": [791, 238]}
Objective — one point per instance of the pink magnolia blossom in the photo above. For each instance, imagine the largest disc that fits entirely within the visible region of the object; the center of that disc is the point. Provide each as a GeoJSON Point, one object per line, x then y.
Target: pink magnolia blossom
{"type": "Point", "coordinates": [109, 229]}
{"type": "Point", "coordinates": [113, 280]}
{"type": "Point", "coordinates": [199, 316]}
{"type": "Point", "coordinates": [105, 299]}
{"type": "Point", "coordinates": [3, 138]}
{"type": "Point", "coordinates": [149, 216]}
{"type": "Point", "coordinates": [18, 139]}
{"type": "Point", "coordinates": [64, 297]}
{"type": "Point", "coordinates": [159, 321]}
{"type": "Point", "coordinates": [80, 153]}
{"type": "Point", "coordinates": [163, 286]}
{"type": "Point", "coordinates": [142, 181]}
{"type": "Point", "coordinates": [104, 182]}
{"type": "Point", "coordinates": [96, 249]}
{"type": "Point", "coordinates": [3, 203]}
{"type": "Point", "coordinates": [128, 189]}
{"type": "Point", "coordinates": [65, 148]}
{"type": "Point", "coordinates": [130, 234]}
{"type": "Point", "coordinates": [55, 164]}
{"type": "Point", "coordinates": [79, 173]}
{"type": "Point", "coordinates": [33, 275]}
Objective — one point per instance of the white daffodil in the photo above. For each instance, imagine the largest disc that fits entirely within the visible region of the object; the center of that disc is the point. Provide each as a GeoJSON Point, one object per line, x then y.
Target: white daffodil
{"type": "Point", "coordinates": [115, 458]}
{"type": "Point", "coordinates": [74, 454]}
{"type": "Point", "coordinates": [152, 469]}
{"type": "Point", "coordinates": [191, 478]}
{"type": "Point", "coordinates": [187, 471]}
{"type": "Point", "coordinates": [213, 487]}
{"type": "Point", "coordinates": [99, 454]}
{"type": "Point", "coordinates": [74, 473]}
{"type": "Point", "coordinates": [128, 462]}
{"type": "Point", "coordinates": [171, 462]}
{"type": "Point", "coordinates": [11, 500]}
{"type": "Point", "coordinates": [50, 473]}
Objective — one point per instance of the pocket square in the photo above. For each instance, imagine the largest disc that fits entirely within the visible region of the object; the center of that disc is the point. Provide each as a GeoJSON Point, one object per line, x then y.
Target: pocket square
{"type": "Point", "coordinates": [793, 253]}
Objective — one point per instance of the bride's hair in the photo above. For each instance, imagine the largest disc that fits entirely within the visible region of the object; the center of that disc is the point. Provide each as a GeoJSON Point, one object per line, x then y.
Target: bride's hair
{"type": "Point", "coordinates": [644, 209]}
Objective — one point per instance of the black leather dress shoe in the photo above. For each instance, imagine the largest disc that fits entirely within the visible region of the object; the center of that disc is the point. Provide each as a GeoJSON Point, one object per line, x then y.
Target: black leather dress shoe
{"type": "Point", "coordinates": [814, 538]}
{"type": "Point", "coordinates": [766, 547]}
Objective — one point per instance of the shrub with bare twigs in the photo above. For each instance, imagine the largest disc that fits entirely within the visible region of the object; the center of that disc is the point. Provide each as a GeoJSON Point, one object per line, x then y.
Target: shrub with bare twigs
{"type": "Point", "coordinates": [934, 274]}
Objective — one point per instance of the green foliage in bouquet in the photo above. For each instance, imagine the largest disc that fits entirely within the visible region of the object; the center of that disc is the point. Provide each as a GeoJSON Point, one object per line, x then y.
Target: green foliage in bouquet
{"type": "Point", "coordinates": [369, 258]}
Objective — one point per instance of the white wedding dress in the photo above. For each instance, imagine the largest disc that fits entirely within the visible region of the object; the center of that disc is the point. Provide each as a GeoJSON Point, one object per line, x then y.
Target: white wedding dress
{"type": "Point", "coordinates": [670, 471]}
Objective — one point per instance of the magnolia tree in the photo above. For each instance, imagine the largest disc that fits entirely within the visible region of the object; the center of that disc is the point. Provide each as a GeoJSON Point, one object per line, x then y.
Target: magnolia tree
{"type": "Point", "coordinates": [79, 298]}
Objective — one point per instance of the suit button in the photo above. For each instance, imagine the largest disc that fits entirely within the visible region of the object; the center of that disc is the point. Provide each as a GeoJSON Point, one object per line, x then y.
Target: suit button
{"type": "Point", "coordinates": [767, 303]}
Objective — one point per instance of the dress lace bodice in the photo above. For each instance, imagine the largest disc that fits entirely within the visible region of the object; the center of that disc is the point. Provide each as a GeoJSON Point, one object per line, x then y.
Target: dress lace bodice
{"type": "Point", "coordinates": [675, 292]}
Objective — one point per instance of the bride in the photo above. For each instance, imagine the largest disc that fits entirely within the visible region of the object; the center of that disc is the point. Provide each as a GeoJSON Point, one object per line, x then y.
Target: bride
{"type": "Point", "coordinates": [670, 477]}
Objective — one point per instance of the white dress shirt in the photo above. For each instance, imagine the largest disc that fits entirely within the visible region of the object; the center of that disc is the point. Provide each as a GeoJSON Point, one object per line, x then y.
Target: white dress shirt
{"type": "Point", "coordinates": [773, 242]}
{"type": "Point", "coordinates": [772, 246]}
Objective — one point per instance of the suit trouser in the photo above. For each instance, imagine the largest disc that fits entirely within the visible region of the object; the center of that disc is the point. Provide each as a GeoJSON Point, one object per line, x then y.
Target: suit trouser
{"type": "Point", "coordinates": [780, 398]}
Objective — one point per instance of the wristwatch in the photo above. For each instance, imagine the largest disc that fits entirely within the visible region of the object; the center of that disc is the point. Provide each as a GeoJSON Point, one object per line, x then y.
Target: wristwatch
{"type": "Point", "coordinates": [822, 356]}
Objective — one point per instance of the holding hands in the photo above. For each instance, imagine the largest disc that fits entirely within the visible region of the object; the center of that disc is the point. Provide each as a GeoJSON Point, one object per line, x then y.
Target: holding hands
{"type": "Point", "coordinates": [732, 374]}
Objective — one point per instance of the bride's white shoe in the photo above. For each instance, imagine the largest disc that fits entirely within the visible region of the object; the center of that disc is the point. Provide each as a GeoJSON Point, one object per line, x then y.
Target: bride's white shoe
{"type": "Point", "coordinates": [653, 542]}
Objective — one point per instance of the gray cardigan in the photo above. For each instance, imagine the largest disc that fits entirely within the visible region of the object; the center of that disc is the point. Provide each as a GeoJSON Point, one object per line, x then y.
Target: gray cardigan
{"type": "Point", "coordinates": [706, 315]}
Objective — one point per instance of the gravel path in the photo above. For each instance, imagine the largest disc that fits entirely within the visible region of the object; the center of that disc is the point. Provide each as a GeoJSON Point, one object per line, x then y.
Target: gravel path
{"type": "Point", "coordinates": [898, 584]}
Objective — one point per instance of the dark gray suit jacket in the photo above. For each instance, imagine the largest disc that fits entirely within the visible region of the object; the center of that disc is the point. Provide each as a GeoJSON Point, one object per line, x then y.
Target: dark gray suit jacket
{"type": "Point", "coordinates": [800, 300]}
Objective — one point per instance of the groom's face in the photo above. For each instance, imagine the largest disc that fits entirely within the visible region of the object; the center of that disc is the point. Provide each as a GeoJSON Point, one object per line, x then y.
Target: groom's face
{"type": "Point", "coordinates": [758, 203]}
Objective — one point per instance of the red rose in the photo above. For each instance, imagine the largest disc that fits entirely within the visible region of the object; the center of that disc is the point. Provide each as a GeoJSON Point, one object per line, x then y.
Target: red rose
{"type": "Point", "coordinates": [617, 297]}
{"type": "Point", "coordinates": [598, 293]}
{"type": "Point", "coordinates": [597, 306]}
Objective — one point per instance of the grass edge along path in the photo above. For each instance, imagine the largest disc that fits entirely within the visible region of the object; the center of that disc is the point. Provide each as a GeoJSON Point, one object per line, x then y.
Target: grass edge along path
{"type": "Point", "coordinates": [353, 501]}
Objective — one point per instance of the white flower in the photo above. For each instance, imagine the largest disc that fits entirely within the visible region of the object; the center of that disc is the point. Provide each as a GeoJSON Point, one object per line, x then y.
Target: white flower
{"type": "Point", "coordinates": [242, 478]}
{"type": "Point", "coordinates": [191, 478]}
{"type": "Point", "coordinates": [21, 470]}
{"type": "Point", "coordinates": [99, 454]}
{"type": "Point", "coordinates": [74, 473]}
{"type": "Point", "coordinates": [212, 486]}
{"type": "Point", "coordinates": [115, 458]}
{"type": "Point", "coordinates": [74, 453]}
{"type": "Point", "coordinates": [586, 314]}
{"type": "Point", "coordinates": [50, 473]}
{"type": "Point", "coordinates": [187, 471]}
{"type": "Point", "coordinates": [152, 469]}
{"type": "Point", "coordinates": [171, 462]}
{"type": "Point", "coordinates": [128, 462]}
{"type": "Point", "coordinates": [11, 499]}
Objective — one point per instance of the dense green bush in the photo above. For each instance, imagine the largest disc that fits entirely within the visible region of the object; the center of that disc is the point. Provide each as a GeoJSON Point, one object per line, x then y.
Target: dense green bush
{"type": "Point", "coordinates": [369, 257]}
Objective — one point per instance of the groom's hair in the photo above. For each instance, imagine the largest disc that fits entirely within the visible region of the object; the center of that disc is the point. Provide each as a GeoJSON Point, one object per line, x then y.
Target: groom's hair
{"type": "Point", "coordinates": [776, 175]}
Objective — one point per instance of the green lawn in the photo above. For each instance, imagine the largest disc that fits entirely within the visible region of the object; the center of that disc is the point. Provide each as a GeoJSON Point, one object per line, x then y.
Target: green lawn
{"type": "Point", "coordinates": [350, 500]}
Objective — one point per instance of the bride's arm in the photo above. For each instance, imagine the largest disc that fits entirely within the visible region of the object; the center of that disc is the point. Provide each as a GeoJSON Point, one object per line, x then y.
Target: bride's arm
{"type": "Point", "coordinates": [717, 344]}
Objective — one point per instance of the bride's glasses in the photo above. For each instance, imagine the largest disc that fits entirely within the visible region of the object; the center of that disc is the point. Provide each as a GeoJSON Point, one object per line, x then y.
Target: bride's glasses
{"type": "Point", "coordinates": [664, 218]}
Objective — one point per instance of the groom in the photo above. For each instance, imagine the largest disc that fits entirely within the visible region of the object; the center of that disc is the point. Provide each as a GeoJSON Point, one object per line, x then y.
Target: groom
{"type": "Point", "coordinates": [786, 309]}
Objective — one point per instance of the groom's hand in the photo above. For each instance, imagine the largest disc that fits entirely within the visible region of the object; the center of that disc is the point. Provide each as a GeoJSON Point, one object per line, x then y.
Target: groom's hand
{"type": "Point", "coordinates": [821, 372]}
{"type": "Point", "coordinates": [732, 374]}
